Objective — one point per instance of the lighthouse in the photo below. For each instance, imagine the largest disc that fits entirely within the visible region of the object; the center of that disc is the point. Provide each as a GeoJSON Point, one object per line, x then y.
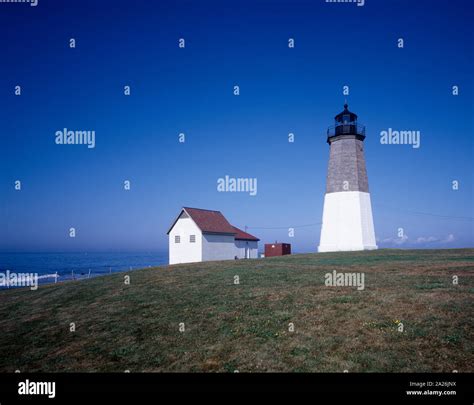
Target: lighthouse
{"type": "Point", "coordinates": [347, 215]}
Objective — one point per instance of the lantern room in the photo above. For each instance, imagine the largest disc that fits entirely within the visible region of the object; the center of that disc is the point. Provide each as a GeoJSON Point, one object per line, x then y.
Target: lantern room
{"type": "Point", "coordinates": [346, 124]}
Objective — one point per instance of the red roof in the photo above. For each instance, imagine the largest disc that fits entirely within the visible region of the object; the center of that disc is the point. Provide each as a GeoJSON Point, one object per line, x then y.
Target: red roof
{"type": "Point", "coordinates": [214, 222]}
{"type": "Point", "coordinates": [210, 221]}
{"type": "Point", "coordinates": [241, 235]}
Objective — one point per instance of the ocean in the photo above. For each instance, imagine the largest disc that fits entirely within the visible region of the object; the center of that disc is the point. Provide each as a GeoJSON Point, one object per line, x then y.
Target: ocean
{"type": "Point", "coordinates": [77, 266]}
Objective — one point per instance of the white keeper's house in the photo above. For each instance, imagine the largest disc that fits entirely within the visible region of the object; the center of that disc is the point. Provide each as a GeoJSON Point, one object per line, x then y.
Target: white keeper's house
{"type": "Point", "coordinates": [199, 235]}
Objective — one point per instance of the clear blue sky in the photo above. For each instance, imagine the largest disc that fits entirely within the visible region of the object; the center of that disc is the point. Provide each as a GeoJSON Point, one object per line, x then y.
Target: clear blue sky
{"type": "Point", "coordinates": [191, 90]}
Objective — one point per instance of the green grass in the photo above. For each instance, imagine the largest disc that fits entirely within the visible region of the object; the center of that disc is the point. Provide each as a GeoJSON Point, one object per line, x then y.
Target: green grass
{"type": "Point", "coordinates": [245, 327]}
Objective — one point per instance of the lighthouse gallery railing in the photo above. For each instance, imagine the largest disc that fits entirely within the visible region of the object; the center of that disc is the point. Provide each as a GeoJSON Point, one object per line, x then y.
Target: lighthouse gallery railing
{"type": "Point", "coordinates": [346, 129]}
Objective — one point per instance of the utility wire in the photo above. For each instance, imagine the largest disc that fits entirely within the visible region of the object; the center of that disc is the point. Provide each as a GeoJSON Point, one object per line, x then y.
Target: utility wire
{"type": "Point", "coordinates": [377, 205]}
{"type": "Point", "coordinates": [283, 227]}
{"type": "Point", "coordinates": [426, 213]}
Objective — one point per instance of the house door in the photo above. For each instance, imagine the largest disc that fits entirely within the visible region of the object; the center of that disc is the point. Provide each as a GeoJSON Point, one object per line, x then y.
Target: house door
{"type": "Point", "coordinates": [247, 251]}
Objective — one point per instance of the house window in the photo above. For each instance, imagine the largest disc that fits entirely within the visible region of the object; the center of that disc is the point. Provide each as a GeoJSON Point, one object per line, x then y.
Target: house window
{"type": "Point", "coordinates": [192, 238]}
{"type": "Point", "coordinates": [177, 239]}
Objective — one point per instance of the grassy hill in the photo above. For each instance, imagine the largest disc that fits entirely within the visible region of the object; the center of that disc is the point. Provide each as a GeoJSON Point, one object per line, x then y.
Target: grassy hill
{"type": "Point", "coordinates": [245, 327]}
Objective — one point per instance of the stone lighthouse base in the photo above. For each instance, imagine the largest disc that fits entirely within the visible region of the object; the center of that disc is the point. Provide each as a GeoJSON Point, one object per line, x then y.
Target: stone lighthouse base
{"type": "Point", "coordinates": [347, 222]}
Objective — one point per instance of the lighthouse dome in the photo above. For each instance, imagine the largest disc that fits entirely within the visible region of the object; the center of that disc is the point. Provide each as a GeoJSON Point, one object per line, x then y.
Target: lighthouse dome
{"type": "Point", "coordinates": [346, 116]}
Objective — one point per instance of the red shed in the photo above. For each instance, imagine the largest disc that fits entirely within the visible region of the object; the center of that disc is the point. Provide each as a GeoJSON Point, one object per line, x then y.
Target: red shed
{"type": "Point", "coordinates": [277, 249]}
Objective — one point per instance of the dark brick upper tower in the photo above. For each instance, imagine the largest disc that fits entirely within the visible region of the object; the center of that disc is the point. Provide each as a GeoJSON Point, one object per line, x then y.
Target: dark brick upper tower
{"type": "Point", "coordinates": [346, 169]}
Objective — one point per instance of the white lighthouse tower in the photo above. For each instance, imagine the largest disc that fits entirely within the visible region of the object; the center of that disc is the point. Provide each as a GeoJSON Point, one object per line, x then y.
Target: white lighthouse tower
{"type": "Point", "coordinates": [347, 215]}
